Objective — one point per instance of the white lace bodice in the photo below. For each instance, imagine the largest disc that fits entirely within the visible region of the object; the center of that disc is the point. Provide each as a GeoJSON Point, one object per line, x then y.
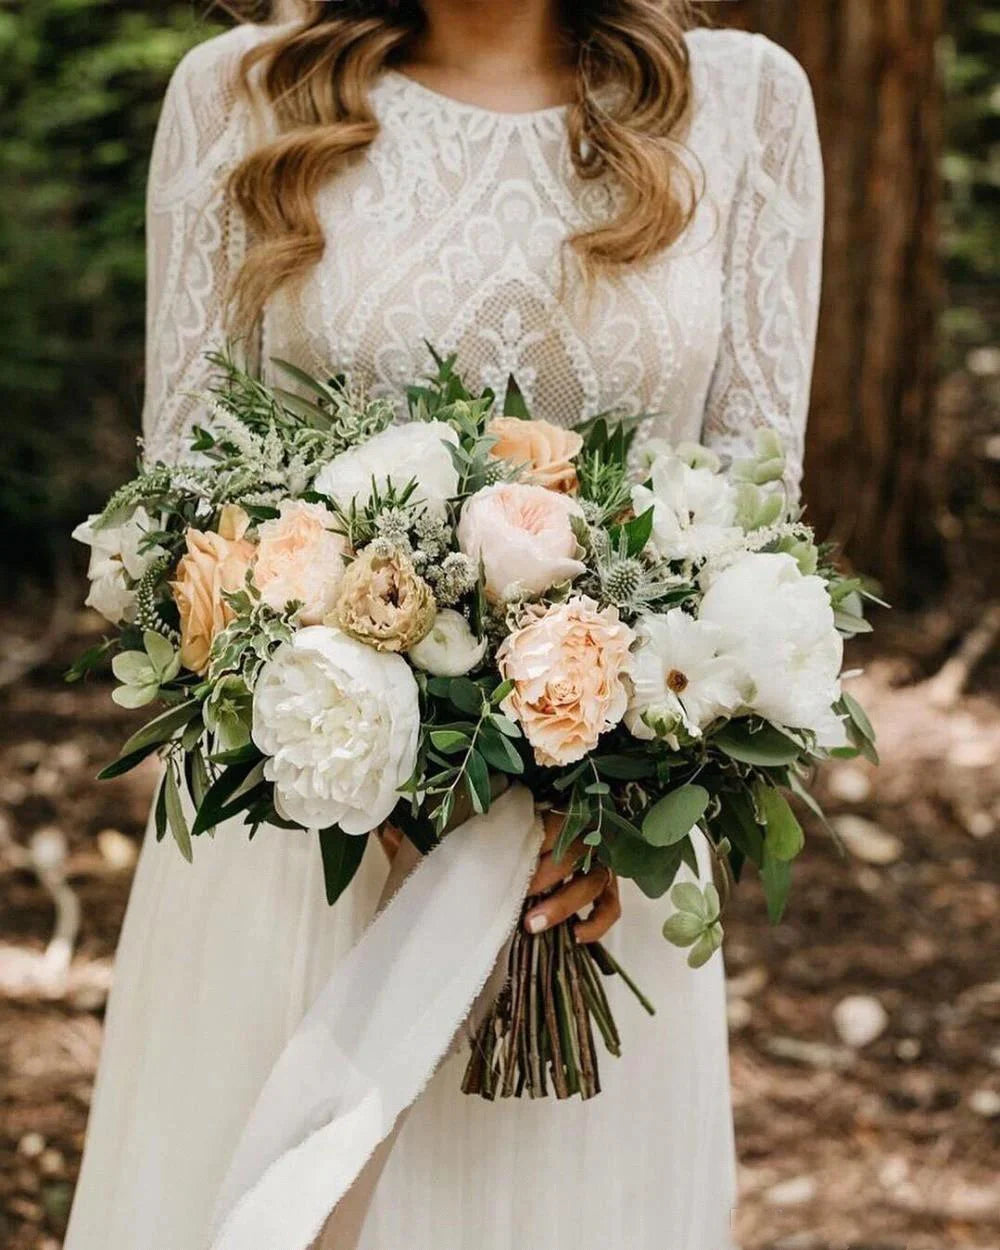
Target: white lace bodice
{"type": "Point", "coordinates": [450, 230]}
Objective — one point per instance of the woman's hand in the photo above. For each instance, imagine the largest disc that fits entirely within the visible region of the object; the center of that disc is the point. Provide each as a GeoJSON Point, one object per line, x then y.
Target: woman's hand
{"type": "Point", "coordinates": [577, 889]}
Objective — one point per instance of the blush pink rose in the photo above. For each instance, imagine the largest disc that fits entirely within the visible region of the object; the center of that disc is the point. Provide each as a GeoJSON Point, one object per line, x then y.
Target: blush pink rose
{"type": "Point", "coordinates": [568, 665]}
{"type": "Point", "coordinates": [299, 557]}
{"type": "Point", "coordinates": [544, 450]}
{"type": "Point", "coordinates": [524, 537]}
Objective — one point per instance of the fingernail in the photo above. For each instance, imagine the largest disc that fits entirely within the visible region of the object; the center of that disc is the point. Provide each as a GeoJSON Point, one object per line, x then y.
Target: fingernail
{"type": "Point", "coordinates": [538, 922]}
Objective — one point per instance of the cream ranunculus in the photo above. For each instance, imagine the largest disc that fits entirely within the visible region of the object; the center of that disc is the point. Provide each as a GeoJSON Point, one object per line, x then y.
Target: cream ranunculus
{"type": "Point", "coordinates": [569, 664]}
{"type": "Point", "coordinates": [340, 724]}
{"type": "Point", "coordinates": [694, 509]}
{"type": "Point", "coordinates": [451, 649]}
{"type": "Point", "coordinates": [300, 558]}
{"type": "Point", "coordinates": [214, 563]}
{"type": "Point", "coordinates": [684, 676]}
{"type": "Point", "coordinates": [544, 450]}
{"type": "Point", "coordinates": [116, 563]}
{"type": "Point", "coordinates": [384, 602]}
{"type": "Point", "coordinates": [784, 636]}
{"type": "Point", "coordinates": [398, 455]}
{"type": "Point", "coordinates": [524, 537]}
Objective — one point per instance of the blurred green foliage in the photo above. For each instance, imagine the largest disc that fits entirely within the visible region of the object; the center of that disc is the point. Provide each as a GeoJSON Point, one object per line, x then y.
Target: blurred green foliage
{"type": "Point", "coordinates": [80, 88]}
{"type": "Point", "coordinates": [971, 235]}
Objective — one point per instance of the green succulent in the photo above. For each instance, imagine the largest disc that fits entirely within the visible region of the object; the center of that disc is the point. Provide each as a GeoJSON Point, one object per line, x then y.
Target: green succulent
{"type": "Point", "coordinates": [767, 464]}
{"type": "Point", "coordinates": [143, 673]}
{"type": "Point", "coordinates": [696, 922]}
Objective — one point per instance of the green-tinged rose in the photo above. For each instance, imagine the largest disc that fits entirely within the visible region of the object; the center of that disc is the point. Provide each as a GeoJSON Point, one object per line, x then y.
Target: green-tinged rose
{"type": "Point", "coordinates": [384, 602]}
{"type": "Point", "coordinates": [803, 552]}
{"type": "Point", "coordinates": [768, 463]}
{"type": "Point", "coordinates": [757, 508]}
{"type": "Point", "coordinates": [229, 713]}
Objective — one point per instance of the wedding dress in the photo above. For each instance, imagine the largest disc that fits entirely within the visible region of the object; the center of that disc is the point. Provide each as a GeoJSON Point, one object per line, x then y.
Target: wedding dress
{"type": "Point", "coordinates": [449, 229]}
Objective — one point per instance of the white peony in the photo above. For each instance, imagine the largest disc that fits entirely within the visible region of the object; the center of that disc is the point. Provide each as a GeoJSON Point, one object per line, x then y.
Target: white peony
{"type": "Point", "coordinates": [786, 640]}
{"type": "Point", "coordinates": [684, 675]}
{"type": "Point", "coordinates": [116, 563]}
{"type": "Point", "coordinates": [451, 649]}
{"type": "Point", "coordinates": [340, 722]}
{"type": "Point", "coordinates": [399, 455]}
{"type": "Point", "coordinates": [694, 509]}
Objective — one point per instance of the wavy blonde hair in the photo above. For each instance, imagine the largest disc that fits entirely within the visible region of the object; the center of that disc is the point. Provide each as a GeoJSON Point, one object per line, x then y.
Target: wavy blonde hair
{"type": "Point", "coordinates": [316, 78]}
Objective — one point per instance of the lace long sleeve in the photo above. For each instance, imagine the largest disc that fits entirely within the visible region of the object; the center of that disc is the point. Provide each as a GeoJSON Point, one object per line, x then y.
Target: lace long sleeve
{"type": "Point", "coordinates": [772, 271]}
{"type": "Point", "coordinates": [196, 238]}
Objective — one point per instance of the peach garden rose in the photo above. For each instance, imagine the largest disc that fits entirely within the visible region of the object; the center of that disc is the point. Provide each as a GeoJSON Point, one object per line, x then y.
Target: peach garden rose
{"type": "Point", "coordinates": [300, 558]}
{"type": "Point", "coordinates": [568, 665]}
{"type": "Point", "coordinates": [215, 562]}
{"type": "Point", "coordinates": [545, 451]}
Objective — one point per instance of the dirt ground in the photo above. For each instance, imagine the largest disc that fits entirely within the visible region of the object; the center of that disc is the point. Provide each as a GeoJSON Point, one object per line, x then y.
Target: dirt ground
{"type": "Point", "coordinates": [865, 1031]}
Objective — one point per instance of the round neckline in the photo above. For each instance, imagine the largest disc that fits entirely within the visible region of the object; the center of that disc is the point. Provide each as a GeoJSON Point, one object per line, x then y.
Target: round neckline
{"type": "Point", "coordinates": [454, 104]}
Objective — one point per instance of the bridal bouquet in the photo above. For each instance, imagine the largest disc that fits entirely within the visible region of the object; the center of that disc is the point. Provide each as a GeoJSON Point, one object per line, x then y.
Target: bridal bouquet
{"type": "Point", "coordinates": [351, 622]}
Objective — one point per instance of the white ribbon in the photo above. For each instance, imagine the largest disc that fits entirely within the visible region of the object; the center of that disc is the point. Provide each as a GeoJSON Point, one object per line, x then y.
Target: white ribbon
{"type": "Point", "coordinates": [377, 1032]}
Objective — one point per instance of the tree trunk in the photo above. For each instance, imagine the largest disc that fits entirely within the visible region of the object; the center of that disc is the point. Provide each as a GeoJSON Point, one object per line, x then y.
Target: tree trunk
{"type": "Point", "coordinates": [873, 68]}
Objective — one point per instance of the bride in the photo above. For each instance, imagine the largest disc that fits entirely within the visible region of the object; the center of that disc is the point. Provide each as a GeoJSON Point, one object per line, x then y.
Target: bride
{"type": "Point", "coordinates": [618, 210]}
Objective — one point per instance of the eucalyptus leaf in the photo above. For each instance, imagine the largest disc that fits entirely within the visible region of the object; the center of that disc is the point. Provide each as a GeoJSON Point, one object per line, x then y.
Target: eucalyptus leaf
{"type": "Point", "coordinates": [850, 624]}
{"type": "Point", "coordinates": [163, 728]}
{"type": "Point", "coordinates": [514, 404]}
{"type": "Point", "coordinates": [675, 815]}
{"type": "Point", "coordinates": [477, 779]}
{"type": "Point", "coordinates": [175, 814]}
{"type": "Point", "coordinates": [449, 740]}
{"type": "Point", "coordinates": [624, 767]}
{"type": "Point", "coordinates": [776, 875]}
{"type": "Point", "coordinates": [466, 695]}
{"type": "Point", "coordinates": [783, 837]}
{"type": "Point", "coordinates": [125, 763]}
{"type": "Point", "coordinates": [505, 725]}
{"type": "Point", "coordinates": [342, 854]}
{"type": "Point", "coordinates": [859, 716]}
{"type": "Point", "coordinates": [160, 809]}
{"type": "Point", "coordinates": [501, 693]}
{"type": "Point", "coordinates": [766, 747]}
{"type": "Point", "coordinates": [214, 805]}
{"type": "Point", "coordinates": [498, 752]}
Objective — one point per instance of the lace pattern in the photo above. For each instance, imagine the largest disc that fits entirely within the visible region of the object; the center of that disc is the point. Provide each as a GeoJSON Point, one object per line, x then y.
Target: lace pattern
{"type": "Point", "coordinates": [452, 230]}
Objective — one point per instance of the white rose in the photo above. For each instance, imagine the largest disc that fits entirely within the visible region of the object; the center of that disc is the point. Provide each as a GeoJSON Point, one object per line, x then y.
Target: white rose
{"type": "Point", "coordinates": [340, 722]}
{"type": "Point", "coordinates": [684, 675]}
{"type": "Point", "coordinates": [116, 563]}
{"type": "Point", "coordinates": [451, 649]}
{"type": "Point", "coordinates": [399, 455]}
{"type": "Point", "coordinates": [694, 509]}
{"type": "Point", "coordinates": [523, 535]}
{"type": "Point", "coordinates": [785, 639]}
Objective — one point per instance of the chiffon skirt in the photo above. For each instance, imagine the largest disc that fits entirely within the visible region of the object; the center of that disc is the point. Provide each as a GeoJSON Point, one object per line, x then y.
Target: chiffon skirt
{"type": "Point", "coordinates": [218, 963]}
